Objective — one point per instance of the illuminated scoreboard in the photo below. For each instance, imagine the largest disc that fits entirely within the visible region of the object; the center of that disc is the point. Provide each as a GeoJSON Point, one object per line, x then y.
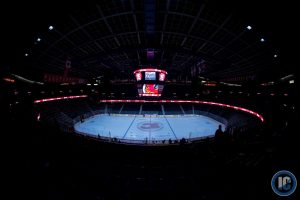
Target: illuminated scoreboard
{"type": "Point", "coordinates": [150, 82]}
{"type": "Point", "coordinates": [150, 75]}
{"type": "Point", "coordinates": [150, 90]}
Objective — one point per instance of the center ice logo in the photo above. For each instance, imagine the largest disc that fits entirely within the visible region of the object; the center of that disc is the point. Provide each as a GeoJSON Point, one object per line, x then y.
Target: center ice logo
{"type": "Point", "coordinates": [150, 126]}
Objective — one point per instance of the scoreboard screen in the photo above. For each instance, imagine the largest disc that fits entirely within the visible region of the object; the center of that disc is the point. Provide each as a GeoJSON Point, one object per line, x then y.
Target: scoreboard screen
{"type": "Point", "coordinates": [150, 76]}
{"type": "Point", "coordinates": [150, 89]}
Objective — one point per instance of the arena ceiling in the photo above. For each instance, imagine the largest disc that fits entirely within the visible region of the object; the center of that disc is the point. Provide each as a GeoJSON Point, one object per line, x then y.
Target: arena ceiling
{"type": "Point", "coordinates": [112, 37]}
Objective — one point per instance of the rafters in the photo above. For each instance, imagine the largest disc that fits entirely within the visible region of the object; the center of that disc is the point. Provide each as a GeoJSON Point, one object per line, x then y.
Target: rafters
{"type": "Point", "coordinates": [114, 38]}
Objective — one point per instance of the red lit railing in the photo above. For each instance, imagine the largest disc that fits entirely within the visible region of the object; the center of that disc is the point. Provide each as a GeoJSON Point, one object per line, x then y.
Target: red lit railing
{"type": "Point", "coordinates": [187, 101]}
{"type": "Point", "coordinates": [150, 70]}
{"type": "Point", "coordinates": [59, 98]}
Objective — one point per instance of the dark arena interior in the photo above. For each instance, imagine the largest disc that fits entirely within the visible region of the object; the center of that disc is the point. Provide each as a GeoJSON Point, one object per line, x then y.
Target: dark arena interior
{"type": "Point", "coordinates": [123, 99]}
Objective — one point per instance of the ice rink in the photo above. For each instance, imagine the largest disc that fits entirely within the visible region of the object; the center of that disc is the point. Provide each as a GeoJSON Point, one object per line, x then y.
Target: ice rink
{"type": "Point", "coordinates": [138, 127]}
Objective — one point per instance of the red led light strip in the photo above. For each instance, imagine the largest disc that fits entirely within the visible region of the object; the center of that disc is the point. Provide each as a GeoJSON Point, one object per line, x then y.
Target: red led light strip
{"type": "Point", "coordinates": [149, 95]}
{"type": "Point", "coordinates": [150, 70]}
{"type": "Point", "coordinates": [187, 101]}
{"type": "Point", "coordinates": [9, 80]}
{"type": "Point", "coordinates": [59, 98]}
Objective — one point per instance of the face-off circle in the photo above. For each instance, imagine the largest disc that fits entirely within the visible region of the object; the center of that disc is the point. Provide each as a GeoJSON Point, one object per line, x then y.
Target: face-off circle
{"type": "Point", "coordinates": [150, 126]}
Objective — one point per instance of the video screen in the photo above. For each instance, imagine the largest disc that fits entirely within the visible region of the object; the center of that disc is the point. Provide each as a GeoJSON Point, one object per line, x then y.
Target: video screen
{"type": "Point", "coordinates": [162, 77]}
{"type": "Point", "coordinates": [153, 90]}
{"type": "Point", "coordinates": [150, 89]}
{"type": "Point", "coordinates": [150, 76]}
{"type": "Point", "coordinates": [138, 76]}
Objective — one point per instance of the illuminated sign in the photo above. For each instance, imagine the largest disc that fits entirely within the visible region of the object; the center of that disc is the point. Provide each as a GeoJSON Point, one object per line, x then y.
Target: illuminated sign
{"type": "Point", "coordinates": [150, 89]}
{"type": "Point", "coordinates": [138, 76]}
{"type": "Point", "coordinates": [149, 95]}
{"type": "Point", "coordinates": [162, 76]}
{"type": "Point", "coordinates": [150, 76]}
{"type": "Point", "coordinates": [54, 78]}
{"type": "Point", "coordinates": [150, 70]}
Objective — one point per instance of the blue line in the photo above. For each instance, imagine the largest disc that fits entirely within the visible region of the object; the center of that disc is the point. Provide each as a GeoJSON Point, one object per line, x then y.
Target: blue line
{"type": "Point", "coordinates": [170, 127]}
{"type": "Point", "coordinates": [129, 127]}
